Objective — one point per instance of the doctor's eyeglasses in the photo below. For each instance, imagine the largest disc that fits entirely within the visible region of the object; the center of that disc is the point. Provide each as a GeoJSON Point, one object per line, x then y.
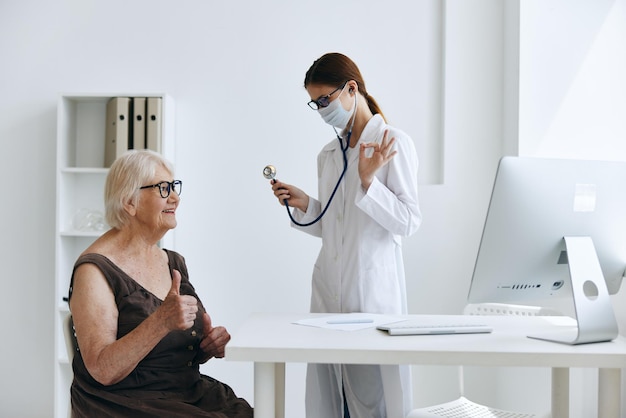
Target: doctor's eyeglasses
{"type": "Point", "coordinates": [324, 101]}
{"type": "Point", "coordinates": [165, 187]}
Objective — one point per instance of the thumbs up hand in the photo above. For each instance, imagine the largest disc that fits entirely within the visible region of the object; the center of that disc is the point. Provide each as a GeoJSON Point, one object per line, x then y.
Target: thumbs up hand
{"type": "Point", "coordinates": [178, 311]}
{"type": "Point", "coordinates": [214, 341]}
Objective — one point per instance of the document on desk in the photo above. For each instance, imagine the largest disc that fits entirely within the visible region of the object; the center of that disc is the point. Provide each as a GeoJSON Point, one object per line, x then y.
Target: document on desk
{"type": "Point", "coordinates": [349, 321]}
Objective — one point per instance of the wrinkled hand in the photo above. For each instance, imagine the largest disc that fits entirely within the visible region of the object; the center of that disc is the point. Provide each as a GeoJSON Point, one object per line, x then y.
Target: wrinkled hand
{"type": "Point", "coordinates": [178, 311]}
{"type": "Point", "coordinates": [214, 341]}
{"type": "Point", "coordinates": [383, 153]}
{"type": "Point", "coordinates": [297, 198]}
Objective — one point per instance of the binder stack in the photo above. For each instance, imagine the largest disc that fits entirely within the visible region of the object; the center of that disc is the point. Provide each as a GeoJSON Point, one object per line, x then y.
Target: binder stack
{"type": "Point", "coordinates": [132, 123]}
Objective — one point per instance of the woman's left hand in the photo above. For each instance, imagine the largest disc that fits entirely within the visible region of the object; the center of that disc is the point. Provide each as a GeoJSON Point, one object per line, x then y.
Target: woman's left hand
{"type": "Point", "coordinates": [214, 342]}
{"type": "Point", "coordinates": [368, 166]}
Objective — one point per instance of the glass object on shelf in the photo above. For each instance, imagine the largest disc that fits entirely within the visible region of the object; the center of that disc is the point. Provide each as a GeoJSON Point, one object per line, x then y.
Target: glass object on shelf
{"type": "Point", "coordinates": [89, 220]}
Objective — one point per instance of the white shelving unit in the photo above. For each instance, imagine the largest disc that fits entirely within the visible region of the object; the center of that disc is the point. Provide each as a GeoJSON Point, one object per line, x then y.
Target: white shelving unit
{"type": "Point", "coordinates": [81, 120]}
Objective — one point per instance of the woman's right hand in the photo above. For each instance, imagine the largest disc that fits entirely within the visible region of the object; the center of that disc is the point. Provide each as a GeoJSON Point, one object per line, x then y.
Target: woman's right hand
{"type": "Point", "coordinates": [297, 198]}
{"type": "Point", "coordinates": [178, 311]}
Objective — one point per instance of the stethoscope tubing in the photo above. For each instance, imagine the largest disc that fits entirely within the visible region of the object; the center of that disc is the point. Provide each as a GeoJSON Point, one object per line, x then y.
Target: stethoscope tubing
{"type": "Point", "coordinates": [344, 150]}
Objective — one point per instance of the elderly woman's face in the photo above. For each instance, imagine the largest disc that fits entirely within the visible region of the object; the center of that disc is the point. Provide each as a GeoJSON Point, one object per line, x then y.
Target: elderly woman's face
{"type": "Point", "coordinates": [154, 211]}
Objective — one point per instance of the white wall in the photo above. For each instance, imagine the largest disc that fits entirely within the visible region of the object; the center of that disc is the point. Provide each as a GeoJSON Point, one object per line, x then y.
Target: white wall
{"type": "Point", "coordinates": [572, 84]}
{"type": "Point", "coordinates": [235, 70]}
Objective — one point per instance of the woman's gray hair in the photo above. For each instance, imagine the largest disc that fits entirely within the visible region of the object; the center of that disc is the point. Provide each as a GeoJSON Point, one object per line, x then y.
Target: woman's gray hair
{"type": "Point", "coordinates": [129, 172]}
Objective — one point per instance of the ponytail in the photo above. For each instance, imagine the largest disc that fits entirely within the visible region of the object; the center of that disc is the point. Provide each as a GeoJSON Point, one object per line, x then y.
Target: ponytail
{"type": "Point", "coordinates": [373, 106]}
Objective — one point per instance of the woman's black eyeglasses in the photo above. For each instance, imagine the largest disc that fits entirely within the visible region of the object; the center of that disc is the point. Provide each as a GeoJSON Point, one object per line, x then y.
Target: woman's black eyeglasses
{"type": "Point", "coordinates": [324, 101]}
{"type": "Point", "coordinates": [165, 187]}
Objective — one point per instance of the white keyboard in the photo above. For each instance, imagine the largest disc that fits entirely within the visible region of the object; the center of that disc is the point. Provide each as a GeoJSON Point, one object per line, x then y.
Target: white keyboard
{"type": "Point", "coordinates": [420, 328]}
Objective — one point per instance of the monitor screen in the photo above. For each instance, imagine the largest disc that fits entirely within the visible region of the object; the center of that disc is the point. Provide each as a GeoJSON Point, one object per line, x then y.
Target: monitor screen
{"type": "Point", "coordinates": [535, 204]}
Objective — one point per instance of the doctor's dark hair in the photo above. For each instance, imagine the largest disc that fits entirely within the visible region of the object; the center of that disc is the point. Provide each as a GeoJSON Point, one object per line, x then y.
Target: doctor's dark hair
{"type": "Point", "coordinates": [334, 69]}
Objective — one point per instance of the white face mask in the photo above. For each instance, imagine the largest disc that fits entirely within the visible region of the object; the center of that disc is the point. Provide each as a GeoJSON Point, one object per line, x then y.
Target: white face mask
{"type": "Point", "coordinates": [335, 115]}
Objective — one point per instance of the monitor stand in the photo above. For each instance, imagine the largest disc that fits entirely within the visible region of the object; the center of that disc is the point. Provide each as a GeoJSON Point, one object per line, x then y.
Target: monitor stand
{"type": "Point", "coordinates": [592, 303]}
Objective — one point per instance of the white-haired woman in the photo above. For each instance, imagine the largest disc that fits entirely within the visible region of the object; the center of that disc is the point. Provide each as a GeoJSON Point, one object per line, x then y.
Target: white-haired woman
{"type": "Point", "coordinates": [141, 329]}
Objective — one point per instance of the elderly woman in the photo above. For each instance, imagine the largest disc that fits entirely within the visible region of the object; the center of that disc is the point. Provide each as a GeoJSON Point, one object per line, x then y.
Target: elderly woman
{"type": "Point", "coordinates": [141, 329]}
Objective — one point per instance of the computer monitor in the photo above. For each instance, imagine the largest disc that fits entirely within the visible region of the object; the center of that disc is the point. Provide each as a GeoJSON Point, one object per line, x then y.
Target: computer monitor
{"type": "Point", "coordinates": [555, 231]}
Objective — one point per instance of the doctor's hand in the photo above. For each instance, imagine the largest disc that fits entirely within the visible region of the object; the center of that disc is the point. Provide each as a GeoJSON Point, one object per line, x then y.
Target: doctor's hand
{"type": "Point", "coordinates": [297, 198]}
{"type": "Point", "coordinates": [381, 155]}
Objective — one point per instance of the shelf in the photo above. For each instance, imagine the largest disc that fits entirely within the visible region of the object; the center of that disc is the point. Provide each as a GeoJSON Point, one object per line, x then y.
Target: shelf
{"type": "Point", "coordinates": [85, 170]}
{"type": "Point", "coordinates": [81, 176]}
{"type": "Point", "coordinates": [76, 233]}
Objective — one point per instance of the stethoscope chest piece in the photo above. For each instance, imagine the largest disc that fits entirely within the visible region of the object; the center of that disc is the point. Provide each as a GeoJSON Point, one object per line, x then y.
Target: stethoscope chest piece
{"type": "Point", "coordinates": [269, 172]}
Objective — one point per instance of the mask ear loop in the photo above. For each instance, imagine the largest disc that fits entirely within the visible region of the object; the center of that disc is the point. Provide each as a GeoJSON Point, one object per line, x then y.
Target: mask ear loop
{"type": "Point", "coordinates": [344, 150]}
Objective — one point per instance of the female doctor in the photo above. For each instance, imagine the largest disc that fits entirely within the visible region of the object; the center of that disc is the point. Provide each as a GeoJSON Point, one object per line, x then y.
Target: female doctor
{"type": "Point", "coordinates": [360, 266]}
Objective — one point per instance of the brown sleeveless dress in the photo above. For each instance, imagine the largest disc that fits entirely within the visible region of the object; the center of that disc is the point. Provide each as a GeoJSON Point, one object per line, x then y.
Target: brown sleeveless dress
{"type": "Point", "coordinates": [167, 382]}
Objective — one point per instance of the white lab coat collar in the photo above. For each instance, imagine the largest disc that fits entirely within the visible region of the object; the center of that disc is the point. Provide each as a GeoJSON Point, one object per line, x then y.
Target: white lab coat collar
{"type": "Point", "coordinates": [374, 124]}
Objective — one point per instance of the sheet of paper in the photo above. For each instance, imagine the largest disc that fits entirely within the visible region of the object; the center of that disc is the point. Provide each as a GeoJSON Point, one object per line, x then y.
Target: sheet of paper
{"type": "Point", "coordinates": [349, 321]}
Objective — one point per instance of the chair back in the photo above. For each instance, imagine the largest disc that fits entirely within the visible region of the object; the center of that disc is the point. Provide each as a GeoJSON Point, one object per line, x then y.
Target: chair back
{"type": "Point", "coordinates": [71, 344]}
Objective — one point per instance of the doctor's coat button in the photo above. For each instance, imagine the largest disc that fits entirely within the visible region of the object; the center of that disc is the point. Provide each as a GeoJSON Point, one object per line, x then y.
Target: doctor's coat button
{"type": "Point", "coordinates": [193, 333]}
{"type": "Point", "coordinates": [190, 347]}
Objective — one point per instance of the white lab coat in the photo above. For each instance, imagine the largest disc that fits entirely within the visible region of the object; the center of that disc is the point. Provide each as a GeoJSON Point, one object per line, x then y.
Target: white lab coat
{"type": "Point", "coordinates": [360, 268]}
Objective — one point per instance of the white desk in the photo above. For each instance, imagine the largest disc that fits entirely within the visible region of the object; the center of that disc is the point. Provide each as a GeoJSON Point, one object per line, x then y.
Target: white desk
{"type": "Point", "coordinates": [271, 340]}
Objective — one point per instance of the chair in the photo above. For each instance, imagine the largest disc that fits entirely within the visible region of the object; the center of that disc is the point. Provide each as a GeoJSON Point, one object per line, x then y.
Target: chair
{"type": "Point", "coordinates": [463, 407]}
{"type": "Point", "coordinates": [71, 345]}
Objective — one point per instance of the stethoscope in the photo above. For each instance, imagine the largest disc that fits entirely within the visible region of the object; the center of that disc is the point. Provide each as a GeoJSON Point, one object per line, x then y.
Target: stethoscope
{"type": "Point", "coordinates": [269, 172]}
